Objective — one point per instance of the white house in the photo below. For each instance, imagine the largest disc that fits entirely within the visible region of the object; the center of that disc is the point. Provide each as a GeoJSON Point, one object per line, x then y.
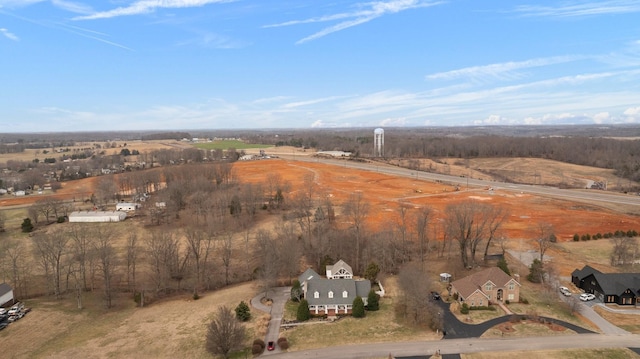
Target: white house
{"type": "Point", "coordinates": [335, 294]}
{"type": "Point", "coordinates": [127, 206]}
{"type": "Point", "coordinates": [6, 294]}
{"type": "Point", "coordinates": [340, 270]}
{"type": "Point", "coordinates": [97, 216]}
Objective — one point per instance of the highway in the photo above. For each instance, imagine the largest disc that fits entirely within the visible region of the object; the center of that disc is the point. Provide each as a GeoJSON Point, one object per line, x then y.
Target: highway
{"type": "Point", "coordinates": [588, 196]}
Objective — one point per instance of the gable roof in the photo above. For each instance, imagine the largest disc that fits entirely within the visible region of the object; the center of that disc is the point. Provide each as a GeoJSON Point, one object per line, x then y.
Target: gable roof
{"type": "Point", "coordinates": [4, 289]}
{"type": "Point", "coordinates": [585, 271]}
{"type": "Point", "coordinates": [469, 284]}
{"type": "Point", "coordinates": [618, 283]}
{"type": "Point", "coordinates": [337, 286]}
{"type": "Point", "coordinates": [307, 276]}
{"type": "Point", "coordinates": [333, 269]}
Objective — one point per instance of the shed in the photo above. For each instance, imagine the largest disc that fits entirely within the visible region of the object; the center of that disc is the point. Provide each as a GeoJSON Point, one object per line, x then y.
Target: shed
{"type": "Point", "coordinates": [6, 294]}
{"type": "Point", "coordinates": [127, 206]}
{"type": "Point", "coordinates": [445, 277]}
{"type": "Point", "coordinates": [97, 216]}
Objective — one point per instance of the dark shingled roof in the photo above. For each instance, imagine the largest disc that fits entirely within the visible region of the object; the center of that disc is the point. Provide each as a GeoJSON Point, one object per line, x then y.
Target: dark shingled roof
{"type": "Point", "coordinates": [337, 286]}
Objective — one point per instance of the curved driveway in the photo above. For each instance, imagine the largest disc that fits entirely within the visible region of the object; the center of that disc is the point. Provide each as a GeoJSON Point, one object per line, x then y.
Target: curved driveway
{"type": "Point", "coordinates": [279, 297]}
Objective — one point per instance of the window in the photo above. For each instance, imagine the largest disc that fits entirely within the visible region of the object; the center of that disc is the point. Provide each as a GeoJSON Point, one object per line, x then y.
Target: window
{"type": "Point", "coordinates": [480, 303]}
{"type": "Point", "coordinates": [512, 286]}
{"type": "Point", "coordinates": [316, 294]}
{"type": "Point", "coordinates": [330, 294]}
{"type": "Point", "coordinates": [511, 297]}
{"type": "Point", "coordinates": [345, 294]}
{"type": "Point", "coordinates": [488, 287]}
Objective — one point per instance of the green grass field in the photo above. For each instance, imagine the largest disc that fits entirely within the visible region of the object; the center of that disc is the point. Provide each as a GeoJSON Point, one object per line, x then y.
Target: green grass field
{"type": "Point", "coordinates": [227, 144]}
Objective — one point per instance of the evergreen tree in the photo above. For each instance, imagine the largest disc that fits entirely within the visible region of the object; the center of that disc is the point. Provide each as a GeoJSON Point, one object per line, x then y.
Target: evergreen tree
{"type": "Point", "coordinates": [27, 226]}
{"type": "Point", "coordinates": [358, 308]}
{"type": "Point", "coordinates": [243, 313]}
{"type": "Point", "coordinates": [303, 313]}
{"type": "Point", "coordinates": [371, 273]}
{"type": "Point", "coordinates": [536, 272]}
{"type": "Point", "coordinates": [502, 264]}
{"type": "Point", "coordinates": [296, 291]}
{"type": "Point", "coordinates": [373, 301]}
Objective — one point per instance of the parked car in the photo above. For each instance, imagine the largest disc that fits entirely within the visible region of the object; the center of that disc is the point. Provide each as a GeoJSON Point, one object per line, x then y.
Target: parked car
{"type": "Point", "coordinates": [435, 296]}
{"type": "Point", "coordinates": [585, 297]}
{"type": "Point", "coordinates": [3, 311]}
{"type": "Point", "coordinates": [565, 291]}
{"type": "Point", "coordinates": [3, 325]}
{"type": "Point", "coordinates": [271, 346]}
{"type": "Point", "coordinates": [17, 308]}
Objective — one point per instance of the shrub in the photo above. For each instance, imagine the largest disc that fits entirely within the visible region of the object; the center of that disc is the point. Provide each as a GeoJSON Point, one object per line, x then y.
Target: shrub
{"type": "Point", "coordinates": [464, 309]}
{"type": "Point", "coordinates": [373, 301]}
{"type": "Point", "coordinates": [576, 237]}
{"type": "Point", "coordinates": [243, 313]}
{"type": "Point", "coordinates": [296, 291]}
{"type": "Point", "coordinates": [482, 308]}
{"type": "Point", "coordinates": [256, 349]}
{"type": "Point", "coordinates": [507, 301]}
{"type": "Point", "coordinates": [523, 300]}
{"type": "Point", "coordinates": [303, 313]}
{"type": "Point", "coordinates": [358, 308]}
{"type": "Point", "coordinates": [61, 219]}
{"type": "Point", "coordinates": [283, 343]}
{"type": "Point", "coordinates": [259, 342]}
{"type": "Point", "coordinates": [371, 273]}
{"type": "Point", "coordinates": [455, 296]}
{"type": "Point", "coordinates": [27, 226]}
{"type": "Point", "coordinates": [196, 296]}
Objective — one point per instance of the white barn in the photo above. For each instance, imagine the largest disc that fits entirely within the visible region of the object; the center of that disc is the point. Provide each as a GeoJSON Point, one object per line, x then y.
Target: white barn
{"type": "Point", "coordinates": [97, 216]}
{"type": "Point", "coordinates": [6, 294]}
{"type": "Point", "coordinates": [127, 206]}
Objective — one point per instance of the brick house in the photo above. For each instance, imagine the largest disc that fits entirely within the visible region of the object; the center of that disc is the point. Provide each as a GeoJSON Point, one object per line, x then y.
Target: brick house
{"type": "Point", "coordinates": [485, 287]}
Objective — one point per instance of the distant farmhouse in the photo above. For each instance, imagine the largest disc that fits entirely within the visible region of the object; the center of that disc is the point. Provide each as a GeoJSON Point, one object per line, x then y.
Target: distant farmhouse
{"type": "Point", "coordinates": [97, 216]}
{"type": "Point", "coordinates": [335, 294]}
{"type": "Point", "coordinates": [488, 286]}
{"type": "Point", "coordinates": [127, 206]}
{"type": "Point", "coordinates": [618, 288]}
{"type": "Point", "coordinates": [333, 154]}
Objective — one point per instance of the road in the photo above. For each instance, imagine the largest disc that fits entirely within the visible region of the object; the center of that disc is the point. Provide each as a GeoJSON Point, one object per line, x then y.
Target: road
{"type": "Point", "coordinates": [589, 196]}
{"type": "Point", "coordinates": [473, 345]}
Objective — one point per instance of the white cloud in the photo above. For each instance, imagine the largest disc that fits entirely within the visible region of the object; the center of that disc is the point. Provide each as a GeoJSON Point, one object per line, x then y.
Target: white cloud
{"type": "Point", "coordinates": [505, 70]}
{"type": "Point", "coordinates": [393, 122]}
{"type": "Point", "coordinates": [9, 35]}
{"type": "Point", "coordinates": [216, 41]}
{"type": "Point", "coordinates": [72, 6]}
{"type": "Point", "coordinates": [17, 3]}
{"type": "Point", "coordinates": [601, 117]}
{"type": "Point", "coordinates": [364, 13]}
{"type": "Point", "coordinates": [632, 111]}
{"type": "Point", "coordinates": [147, 6]}
{"type": "Point", "coordinates": [581, 8]}
{"type": "Point", "coordinates": [492, 120]}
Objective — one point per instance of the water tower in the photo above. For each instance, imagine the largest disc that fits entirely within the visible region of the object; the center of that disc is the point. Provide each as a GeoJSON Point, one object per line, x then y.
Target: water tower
{"type": "Point", "coordinates": [378, 142]}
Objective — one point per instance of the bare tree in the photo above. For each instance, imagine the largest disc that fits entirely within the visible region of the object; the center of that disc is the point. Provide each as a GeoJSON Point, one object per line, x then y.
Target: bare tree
{"type": "Point", "coordinates": [51, 248]}
{"type": "Point", "coordinates": [497, 215]}
{"type": "Point", "coordinates": [624, 250]}
{"type": "Point", "coordinates": [545, 234]}
{"type": "Point", "coordinates": [289, 250]}
{"type": "Point", "coordinates": [81, 249]}
{"type": "Point", "coordinates": [227, 254]}
{"type": "Point", "coordinates": [14, 257]}
{"type": "Point", "coordinates": [422, 217]}
{"type": "Point", "coordinates": [413, 304]}
{"type": "Point", "coordinates": [356, 209]}
{"type": "Point", "coordinates": [199, 243]}
{"type": "Point", "coordinates": [132, 260]}
{"type": "Point", "coordinates": [107, 260]}
{"type": "Point", "coordinates": [106, 189]}
{"type": "Point", "coordinates": [461, 225]}
{"type": "Point", "coordinates": [267, 254]}
{"type": "Point", "coordinates": [225, 333]}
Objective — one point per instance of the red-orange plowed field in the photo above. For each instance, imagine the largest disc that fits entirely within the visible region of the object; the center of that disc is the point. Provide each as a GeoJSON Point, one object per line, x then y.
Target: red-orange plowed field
{"type": "Point", "coordinates": [385, 194]}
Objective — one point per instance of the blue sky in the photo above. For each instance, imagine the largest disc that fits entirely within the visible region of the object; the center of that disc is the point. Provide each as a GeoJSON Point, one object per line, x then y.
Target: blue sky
{"type": "Point", "coordinates": [71, 65]}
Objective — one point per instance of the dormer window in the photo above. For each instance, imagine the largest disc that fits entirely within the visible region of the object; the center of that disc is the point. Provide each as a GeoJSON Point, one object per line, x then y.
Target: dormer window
{"type": "Point", "coordinates": [316, 294]}
{"type": "Point", "coordinates": [488, 286]}
{"type": "Point", "coordinates": [345, 294]}
{"type": "Point", "coordinates": [330, 294]}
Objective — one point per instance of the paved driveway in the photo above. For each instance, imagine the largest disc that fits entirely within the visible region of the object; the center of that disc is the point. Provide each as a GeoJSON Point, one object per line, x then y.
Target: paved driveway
{"type": "Point", "coordinates": [279, 297]}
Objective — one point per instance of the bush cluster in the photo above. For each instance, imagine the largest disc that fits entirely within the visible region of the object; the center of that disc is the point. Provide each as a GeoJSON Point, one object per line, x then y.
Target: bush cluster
{"type": "Point", "coordinates": [617, 234]}
{"type": "Point", "coordinates": [283, 343]}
